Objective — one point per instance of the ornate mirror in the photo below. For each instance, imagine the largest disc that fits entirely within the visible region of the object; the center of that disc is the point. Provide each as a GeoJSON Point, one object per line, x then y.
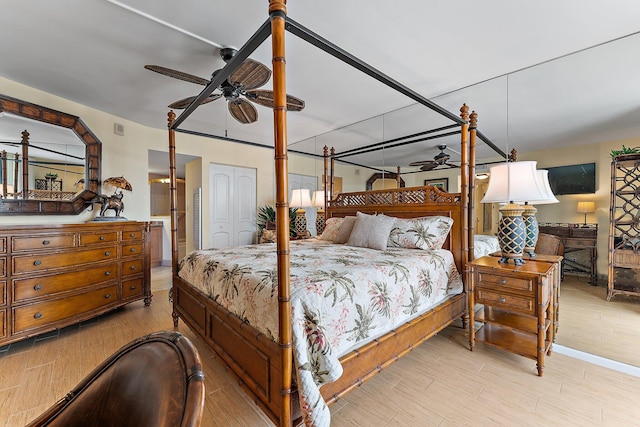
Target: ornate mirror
{"type": "Point", "coordinates": [49, 160]}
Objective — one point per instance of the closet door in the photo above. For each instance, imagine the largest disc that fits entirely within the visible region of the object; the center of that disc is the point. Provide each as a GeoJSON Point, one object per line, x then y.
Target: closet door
{"type": "Point", "coordinates": [233, 205]}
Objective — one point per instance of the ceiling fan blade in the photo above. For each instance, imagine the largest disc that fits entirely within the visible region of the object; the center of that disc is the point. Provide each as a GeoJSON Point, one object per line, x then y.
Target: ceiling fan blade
{"type": "Point", "coordinates": [178, 74]}
{"type": "Point", "coordinates": [250, 75]}
{"type": "Point", "coordinates": [243, 111]}
{"type": "Point", "coordinates": [265, 98]}
{"type": "Point", "coordinates": [421, 162]}
{"type": "Point", "coordinates": [429, 167]}
{"type": "Point", "coordinates": [184, 103]}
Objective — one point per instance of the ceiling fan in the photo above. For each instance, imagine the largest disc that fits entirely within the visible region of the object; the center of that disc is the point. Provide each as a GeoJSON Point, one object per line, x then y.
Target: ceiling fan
{"type": "Point", "coordinates": [239, 89]}
{"type": "Point", "coordinates": [440, 159]}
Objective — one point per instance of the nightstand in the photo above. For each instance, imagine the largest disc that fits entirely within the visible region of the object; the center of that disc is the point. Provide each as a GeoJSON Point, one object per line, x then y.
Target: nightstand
{"type": "Point", "coordinates": [517, 307]}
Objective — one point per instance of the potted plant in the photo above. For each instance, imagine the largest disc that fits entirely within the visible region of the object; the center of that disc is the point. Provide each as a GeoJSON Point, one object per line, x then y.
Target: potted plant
{"type": "Point", "coordinates": [268, 214]}
{"type": "Point", "coordinates": [625, 150]}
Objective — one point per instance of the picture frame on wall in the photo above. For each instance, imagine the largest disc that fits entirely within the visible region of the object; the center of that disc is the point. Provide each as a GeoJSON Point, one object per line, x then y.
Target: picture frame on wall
{"type": "Point", "coordinates": [441, 183]}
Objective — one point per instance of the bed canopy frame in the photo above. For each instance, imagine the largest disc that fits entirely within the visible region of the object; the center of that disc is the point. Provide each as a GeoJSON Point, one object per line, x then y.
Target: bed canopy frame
{"type": "Point", "coordinates": [275, 26]}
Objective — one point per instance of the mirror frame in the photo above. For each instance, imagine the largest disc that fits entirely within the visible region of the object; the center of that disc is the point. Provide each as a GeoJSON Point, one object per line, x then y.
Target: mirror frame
{"type": "Point", "coordinates": [93, 156]}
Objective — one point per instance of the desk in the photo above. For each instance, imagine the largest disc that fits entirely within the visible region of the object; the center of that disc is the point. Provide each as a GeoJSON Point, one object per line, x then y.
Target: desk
{"type": "Point", "coordinates": [576, 239]}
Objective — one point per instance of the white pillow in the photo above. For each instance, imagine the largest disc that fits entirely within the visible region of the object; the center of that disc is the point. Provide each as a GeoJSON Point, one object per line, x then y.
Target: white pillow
{"type": "Point", "coordinates": [429, 232]}
{"type": "Point", "coordinates": [331, 227]}
{"type": "Point", "coordinates": [345, 229]}
{"type": "Point", "coordinates": [371, 231]}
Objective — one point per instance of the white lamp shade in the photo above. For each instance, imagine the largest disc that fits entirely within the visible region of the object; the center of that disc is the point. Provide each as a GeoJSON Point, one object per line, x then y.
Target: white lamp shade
{"type": "Point", "coordinates": [318, 199]}
{"type": "Point", "coordinates": [543, 177]}
{"type": "Point", "coordinates": [300, 198]}
{"type": "Point", "coordinates": [514, 181]}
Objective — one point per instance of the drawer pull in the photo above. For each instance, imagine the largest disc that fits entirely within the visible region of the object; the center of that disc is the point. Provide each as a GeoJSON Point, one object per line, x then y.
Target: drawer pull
{"type": "Point", "coordinates": [133, 267]}
{"type": "Point", "coordinates": [37, 262]}
{"type": "Point", "coordinates": [107, 273]}
{"type": "Point", "coordinates": [107, 253]}
{"type": "Point", "coordinates": [37, 315]}
{"type": "Point", "coordinates": [503, 281]}
{"type": "Point", "coordinates": [132, 249]}
{"type": "Point", "coordinates": [101, 237]}
{"type": "Point", "coordinates": [132, 235]}
{"type": "Point", "coordinates": [107, 296]}
{"type": "Point", "coordinates": [46, 242]}
{"type": "Point", "coordinates": [503, 300]}
{"type": "Point", "coordinates": [133, 287]}
{"type": "Point", "coordinates": [37, 287]}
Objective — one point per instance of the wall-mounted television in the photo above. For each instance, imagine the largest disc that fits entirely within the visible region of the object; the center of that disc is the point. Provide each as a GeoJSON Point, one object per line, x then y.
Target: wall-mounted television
{"type": "Point", "coordinates": [573, 179]}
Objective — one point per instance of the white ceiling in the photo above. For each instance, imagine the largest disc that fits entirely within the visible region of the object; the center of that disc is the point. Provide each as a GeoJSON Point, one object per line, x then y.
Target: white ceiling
{"type": "Point", "coordinates": [586, 88]}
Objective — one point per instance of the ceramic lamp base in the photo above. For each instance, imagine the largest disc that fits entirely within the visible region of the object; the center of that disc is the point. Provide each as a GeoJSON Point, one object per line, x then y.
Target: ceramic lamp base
{"type": "Point", "coordinates": [531, 229]}
{"type": "Point", "coordinates": [512, 234]}
{"type": "Point", "coordinates": [320, 222]}
{"type": "Point", "coordinates": [301, 222]}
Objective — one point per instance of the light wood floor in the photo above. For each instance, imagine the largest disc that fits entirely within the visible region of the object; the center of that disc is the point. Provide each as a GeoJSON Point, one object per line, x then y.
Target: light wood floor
{"type": "Point", "coordinates": [590, 323]}
{"type": "Point", "coordinates": [441, 383]}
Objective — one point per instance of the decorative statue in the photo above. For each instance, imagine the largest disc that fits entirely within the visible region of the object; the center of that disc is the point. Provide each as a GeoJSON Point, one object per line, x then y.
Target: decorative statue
{"type": "Point", "coordinates": [113, 202]}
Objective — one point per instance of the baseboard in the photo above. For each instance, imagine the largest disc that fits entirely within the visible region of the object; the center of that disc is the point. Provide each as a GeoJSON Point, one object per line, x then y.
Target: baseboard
{"type": "Point", "coordinates": [597, 360]}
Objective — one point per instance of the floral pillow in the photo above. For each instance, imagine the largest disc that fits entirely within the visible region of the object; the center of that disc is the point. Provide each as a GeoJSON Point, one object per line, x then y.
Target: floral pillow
{"type": "Point", "coordinates": [331, 227]}
{"type": "Point", "coordinates": [429, 232]}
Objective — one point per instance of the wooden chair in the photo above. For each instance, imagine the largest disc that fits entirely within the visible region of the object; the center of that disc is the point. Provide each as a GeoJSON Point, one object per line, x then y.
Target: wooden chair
{"type": "Point", "coordinates": [155, 380]}
{"type": "Point", "coordinates": [548, 244]}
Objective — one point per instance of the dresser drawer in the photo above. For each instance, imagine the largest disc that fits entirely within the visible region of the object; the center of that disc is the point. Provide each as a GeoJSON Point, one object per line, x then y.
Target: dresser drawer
{"type": "Point", "coordinates": [35, 263]}
{"type": "Point", "coordinates": [131, 235]}
{"type": "Point", "coordinates": [130, 250]}
{"type": "Point", "coordinates": [48, 312]}
{"type": "Point", "coordinates": [132, 267]}
{"type": "Point", "coordinates": [42, 286]}
{"type": "Point", "coordinates": [580, 243]}
{"type": "Point", "coordinates": [506, 301]}
{"type": "Point", "coordinates": [3, 292]}
{"type": "Point", "coordinates": [3, 245]}
{"type": "Point", "coordinates": [87, 238]}
{"type": "Point", "coordinates": [132, 288]}
{"type": "Point", "coordinates": [43, 241]}
{"type": "Point", "coordinates": [3, 266]}
{"type": "Point", "coordinates": [515, 283]}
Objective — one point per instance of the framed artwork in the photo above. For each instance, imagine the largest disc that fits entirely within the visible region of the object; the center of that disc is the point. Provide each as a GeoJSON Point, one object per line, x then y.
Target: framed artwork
{"type": "Point", "coordinates": [441, 183]}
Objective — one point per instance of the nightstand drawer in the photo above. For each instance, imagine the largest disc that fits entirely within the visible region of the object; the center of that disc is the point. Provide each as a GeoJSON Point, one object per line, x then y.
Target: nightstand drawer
{"type": "Point", "coordinates": [514, 283]}
{"type": "Point", "coordinates": [506, 301]}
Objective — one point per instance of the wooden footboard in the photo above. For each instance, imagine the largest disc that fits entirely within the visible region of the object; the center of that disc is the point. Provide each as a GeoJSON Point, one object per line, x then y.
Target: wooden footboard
{"type": "Point", "coordinates": [254, 359]}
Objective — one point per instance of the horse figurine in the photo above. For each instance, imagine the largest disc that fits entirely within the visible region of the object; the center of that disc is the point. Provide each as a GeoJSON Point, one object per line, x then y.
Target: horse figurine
{"type": "Point", "coordinates": [113, 202]}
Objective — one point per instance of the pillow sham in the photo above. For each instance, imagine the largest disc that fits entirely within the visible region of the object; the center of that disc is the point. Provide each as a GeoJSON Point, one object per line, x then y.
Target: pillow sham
{"type": "Point", "coordinates": [331, 227]}
{"type": "Point", "coordinates": [429, 232]}
{"type": "Point", "coordinates": [371, 231]}
{"type": "Point", "coordinates": [345, 230]}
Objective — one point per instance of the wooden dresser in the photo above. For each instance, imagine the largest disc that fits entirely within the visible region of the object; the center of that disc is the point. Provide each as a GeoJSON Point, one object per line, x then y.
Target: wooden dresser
{"type": "Point", "coordinates": [55, 275]}
{"type": "Point", "coordinates": [518, 310]}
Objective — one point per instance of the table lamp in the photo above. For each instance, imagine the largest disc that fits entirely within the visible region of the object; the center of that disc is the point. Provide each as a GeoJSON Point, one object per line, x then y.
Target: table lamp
{"type": "Point", "coordinates": [300, 199]}
{"type": "Point", "coordinates": [318, 202]}
{"type": "Point", "coordinates": [585, 208]}
{"type": "Point", "coordinates": [510, 182]}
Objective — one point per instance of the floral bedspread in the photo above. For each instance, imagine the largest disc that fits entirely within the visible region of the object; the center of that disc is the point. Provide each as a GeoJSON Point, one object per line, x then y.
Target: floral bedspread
{"type": "Point", "coordinates": [340, 296]}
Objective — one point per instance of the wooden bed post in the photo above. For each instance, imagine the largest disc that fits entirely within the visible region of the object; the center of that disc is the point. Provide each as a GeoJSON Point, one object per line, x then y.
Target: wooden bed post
{"type": "Point", "coordinates": [464, 174]}
{"type": "Point", "coordinates": [333, 153]}
{"type": "Point", "coordinates": [472, 182]}
{"type": "Point", "coordinates": [25, 167]}
{"type": "Point", "coordinates": [277, 13]}
{"type": "Point", "coordinates": [325, 188]}
{"type": "Point", "coordinates": [173, 196]}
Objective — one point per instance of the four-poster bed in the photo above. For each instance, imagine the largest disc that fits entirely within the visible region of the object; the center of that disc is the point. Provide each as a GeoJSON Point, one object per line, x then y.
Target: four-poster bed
{"type": "Point", "coordinates": [264, 366]}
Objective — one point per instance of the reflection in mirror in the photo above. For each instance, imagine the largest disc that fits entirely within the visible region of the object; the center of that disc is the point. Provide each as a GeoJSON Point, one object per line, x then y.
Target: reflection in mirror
{"type": "Point", "coordinates": [50, 161]}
